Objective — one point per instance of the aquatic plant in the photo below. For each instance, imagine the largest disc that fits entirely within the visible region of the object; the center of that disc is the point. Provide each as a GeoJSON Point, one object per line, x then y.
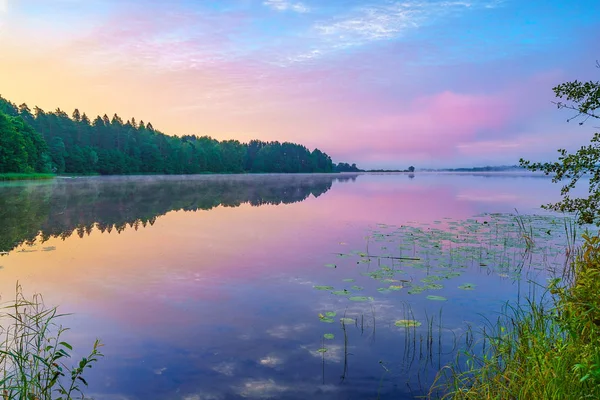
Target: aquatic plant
{"type": "Point", "coordinates": [548, 348]}
{"type": "Point", "coordinates": [34, 355]}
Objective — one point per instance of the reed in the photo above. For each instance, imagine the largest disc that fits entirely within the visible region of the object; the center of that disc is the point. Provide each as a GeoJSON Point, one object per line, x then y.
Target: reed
{"type": "Point", "coordinates": [546, 348]}
{"type": "Point", "coordinates": [34, 356]}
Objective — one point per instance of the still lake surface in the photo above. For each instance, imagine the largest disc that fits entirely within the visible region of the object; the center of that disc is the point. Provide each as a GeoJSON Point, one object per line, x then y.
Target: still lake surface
{"type": "Point", "coordinates": [223, 287]}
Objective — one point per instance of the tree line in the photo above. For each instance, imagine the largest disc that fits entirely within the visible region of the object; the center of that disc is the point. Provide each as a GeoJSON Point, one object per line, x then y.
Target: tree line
{"type": "Point", "coordinates": [39, 141]}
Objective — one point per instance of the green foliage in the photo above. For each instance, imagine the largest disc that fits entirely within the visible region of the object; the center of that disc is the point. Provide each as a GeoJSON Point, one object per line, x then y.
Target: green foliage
{"type": "Point", "coordinates": [22, 149]}
{"type": "Point", "coordinates": [34, 355]}
{"type": "Point", "coordinates": [549, 349]}
{"type": "Point", "coordinates": [24, 177]}
{"type": "Point", "coordinates": [110, 146]}
{"type": "Point", "coordinates": [345, 167]}
{"type": "Point", "coordinates": [584, 99]}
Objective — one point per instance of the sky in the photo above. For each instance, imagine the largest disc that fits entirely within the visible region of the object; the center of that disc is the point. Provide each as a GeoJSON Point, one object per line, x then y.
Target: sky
{"type": "Point", "coordinates": [380, 83]}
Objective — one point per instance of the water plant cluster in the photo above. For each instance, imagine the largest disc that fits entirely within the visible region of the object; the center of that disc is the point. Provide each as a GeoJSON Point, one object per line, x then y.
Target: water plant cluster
{"type": "Point", "coordinates": [548, 348]}
{"type": "Point", "coordinates": [35, 360]}
{"type": "Point", "coordinates": [411, 265]}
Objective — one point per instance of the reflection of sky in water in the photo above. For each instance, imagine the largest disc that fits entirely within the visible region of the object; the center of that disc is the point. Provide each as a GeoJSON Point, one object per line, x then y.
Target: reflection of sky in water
{"type": "Point", "coordinates": [219, 303]}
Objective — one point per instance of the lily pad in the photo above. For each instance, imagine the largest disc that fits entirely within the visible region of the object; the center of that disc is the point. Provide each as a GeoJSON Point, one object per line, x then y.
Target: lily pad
{"type": "Point", "coordinates": [436, 298]}
{"type": "Point", "coordinates": [416, 290]}
{"type": "Point", "coordinates": [329, 336]}
{"type": "Point", "coordinates": [330, 313]}
{"type": "Point", "coordinates": [434, 286]}
{"type": "Point", "coordinates": [326, 320]}
{"type": "Point", "coordinates": [407, 323]}
{"type": "Point", "coordinates": [348, 280]}
{"type": "Point", "coordinates": [341, 292]}
{"type": "Point", "coordinates": [396, 287]}
{"type": "Point", "coordinates": [360, 298]}
{"type": "Point", "coordinates": [323, 287]}
{"type": "Point", "coordinates": [347, 320]}
{"type": "Point", "coordinates": [357, 287]}
{"type": "Point", "coordinates": [322, 350]}
{"type": "Point", "coordinates": [467, 286]}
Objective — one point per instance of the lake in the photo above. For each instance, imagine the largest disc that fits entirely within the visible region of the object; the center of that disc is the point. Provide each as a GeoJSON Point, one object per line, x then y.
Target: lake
{"type": "Point", "coordinates": [278, 286]}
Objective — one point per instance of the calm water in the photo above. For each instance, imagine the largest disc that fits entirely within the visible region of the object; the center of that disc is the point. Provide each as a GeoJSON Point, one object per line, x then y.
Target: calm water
{"type": "Point", "coordinates": [204, 287]}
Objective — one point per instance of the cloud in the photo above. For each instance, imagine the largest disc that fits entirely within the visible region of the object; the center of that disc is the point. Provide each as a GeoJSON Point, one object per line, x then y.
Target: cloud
{"type": "Point", "coordinates": [285, 5]}
{"type": "Point", "coordinates": [391, 20]}
{"type": "Point", "coordinates": [3, 6]}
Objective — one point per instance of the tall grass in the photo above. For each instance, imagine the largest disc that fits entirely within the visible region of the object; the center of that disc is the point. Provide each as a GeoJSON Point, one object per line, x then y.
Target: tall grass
{"type": "Point", "coordinates": [34, 356]}
{"type": "Point", "coordinates": [548, 348]}
{"type": "Point", "coordinates": [24, 177]}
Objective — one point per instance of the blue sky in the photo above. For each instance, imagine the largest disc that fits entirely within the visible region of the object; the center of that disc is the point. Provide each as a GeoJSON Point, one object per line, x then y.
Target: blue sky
{"type": "Point", "coordinates": [381, 83]}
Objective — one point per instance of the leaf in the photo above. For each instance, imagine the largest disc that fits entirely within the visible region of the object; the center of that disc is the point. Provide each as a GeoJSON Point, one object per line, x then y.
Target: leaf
{"type": "Point", "coordinates": [329, 336]}
{"type": "Point", "coordinates": [323, 287]}
{"type": "Point", "coordinates": [67, 345]}
{"type": "Point", "coordinates": [347, 320]}
{"type": "Point", "coordinates": [341, 292]}
{"type": "Point", "coordinates": [467, 286]}
{"type": "Point", "coordinates": [436, 298]}
{"type": "Point", "coordinates": [330, 313]}
{"type": "Point", "coordinates": [326, 320]}
{"type": "Point", "coordinates": [407, 323]}
{"type": "Point", "coordinates": [322, 350]}
{"type": "Point", "coordinates": [360, 298]}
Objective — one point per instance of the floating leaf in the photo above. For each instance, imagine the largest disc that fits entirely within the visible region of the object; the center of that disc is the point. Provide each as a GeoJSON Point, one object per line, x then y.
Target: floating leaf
{"type": "Point", "coordinates": [348, 280]}
{"type": "Point", "coordinates": [329, 336]}
{"type": "Point", "coordinates": [341, 292]}
{"type": "Point", "coordinates": [326, 320]}
{"type": "Point", "coordinates": [467, 286]}
{"type": "Point", "coordinates": [430, 279]}
{"type": "Point", "coordinates": [322, 350]}
{"type": "Point", "coordinates": [360, 298]}
{"type": "Point", "coordinates": [434, 286]}
{"type": "Point", "coordinates": [396, 287]}
{"type": "Point", "coordinates": [347, 320]}
{"type": "Point", "coordinates": [323, 287]}
{"type": "Point", "coordinates": [407, 323]}
{"type": "Point", "coordinates": [357, 287]}
{"type": "Point", "coordinates": [416, 290]}
{"type": "Point", "coordinates": [331, 313]}
{"type": "Point", "coordinates": [436, 298]}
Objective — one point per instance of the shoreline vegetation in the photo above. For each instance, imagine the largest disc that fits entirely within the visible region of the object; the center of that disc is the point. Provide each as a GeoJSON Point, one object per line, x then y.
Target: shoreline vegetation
{"type": "Point", "coordinates": [25, 177]}
{"type": "Point", "coordinates": [546, 349]}
{"type": "Point", "coordinates": [35, 361]}
{"type": "Point", "coordinates": [549, 348]}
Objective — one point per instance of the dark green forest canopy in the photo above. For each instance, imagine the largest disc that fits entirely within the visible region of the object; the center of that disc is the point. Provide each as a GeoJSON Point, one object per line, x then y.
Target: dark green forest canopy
{"type": "Point", "coordinates": [39, 141]}
{"type": "Point", "coordinates": [64, 207]}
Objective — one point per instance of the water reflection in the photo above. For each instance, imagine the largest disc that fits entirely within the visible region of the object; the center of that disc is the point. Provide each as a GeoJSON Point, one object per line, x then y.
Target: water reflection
{"type": "Point", "coordinates": [69, 206]}
{"type": "Point", "coordinates": [220, 304]}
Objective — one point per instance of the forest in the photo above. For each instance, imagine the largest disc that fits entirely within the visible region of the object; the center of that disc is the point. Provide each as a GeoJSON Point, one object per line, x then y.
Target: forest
{"type": "Point", "coordinates": [54, 142]}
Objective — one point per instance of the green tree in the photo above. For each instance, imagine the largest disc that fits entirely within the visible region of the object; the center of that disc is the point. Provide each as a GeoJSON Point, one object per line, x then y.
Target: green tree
{"type": "Point", "coordinates": [13, 155]}
{"type": "Point", "coordinates": [584, 99]}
